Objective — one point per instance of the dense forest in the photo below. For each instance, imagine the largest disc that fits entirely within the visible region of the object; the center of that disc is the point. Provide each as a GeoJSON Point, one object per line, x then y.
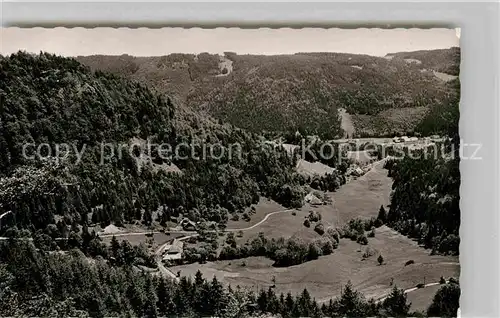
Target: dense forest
{"type": "Point", "coordinates": [62, 285]}
{"type": "Point", "coordinates": [426, 197]}
{"type": "Point", "coordinates": [50, 99]}
{"type": "Point", "coordinates": [52, 263]}
{"type": "Point", "coordinates": [302, 91]}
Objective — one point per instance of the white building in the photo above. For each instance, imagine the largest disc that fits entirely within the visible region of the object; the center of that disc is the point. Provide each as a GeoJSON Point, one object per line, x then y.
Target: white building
{"type": "Point", "coordinates": [174, 251]}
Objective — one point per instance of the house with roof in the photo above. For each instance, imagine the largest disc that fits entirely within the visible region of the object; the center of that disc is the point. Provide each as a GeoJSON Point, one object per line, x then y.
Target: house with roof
{"type": "Point", "coordinates": [173, 252]}
{"type": "Point", "coordinates": [188, 225]}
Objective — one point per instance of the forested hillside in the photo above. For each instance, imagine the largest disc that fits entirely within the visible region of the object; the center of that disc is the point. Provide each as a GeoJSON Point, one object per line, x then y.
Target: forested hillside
{"type": "Point", "coordinates": [71, 285]}
{"type": "Point", "coordinates": [49, 99]}
{"type": "Point", "coordinates": [303, 91]}
{"type": "Point", "coordinates": [52, 262]}
{"type": "Point", "coordinates": [443, 60]}
{"type": "Point", "coordinates": [425, 204]}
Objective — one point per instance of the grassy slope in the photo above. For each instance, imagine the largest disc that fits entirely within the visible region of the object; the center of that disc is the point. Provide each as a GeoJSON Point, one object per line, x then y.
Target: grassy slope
{"type": "Point", "coordinates": [324, 277]}
{"type": "Point", "coordinates": [358, 198]}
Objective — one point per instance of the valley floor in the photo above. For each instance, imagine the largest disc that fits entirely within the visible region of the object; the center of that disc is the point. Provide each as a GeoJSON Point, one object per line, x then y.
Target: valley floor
{"type": "Point", "coordinates": [325, 277]}
{"type": "Point", "coordinates": [358, 198]}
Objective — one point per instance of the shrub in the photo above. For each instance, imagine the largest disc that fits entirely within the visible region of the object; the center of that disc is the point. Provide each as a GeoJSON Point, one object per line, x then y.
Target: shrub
{"type": "Point", "coordinates": [380, 259]}
{"type": "Point", "coordinates": [362, 239]}
{"type": "Point", "coordinates": [410, 262]}
{"type": "Point", "coordinates": [228, 252]}
{"type": "Point", "coordinates": [442, 280]}
{"type": "Point", "coordinates": [246, 217]}
{"type": "Point", "coordinates": [333, 234]}
{"type": "Point", "coordinates": [371, 233]}
{"type": "Point", "coordinates": [314, 217]}
{"type": "Point", "coordinates": [327, 247]}
{"type": "Point", "coordinates": [420, 285]}
{"type": "Point", "coordinates": [294, 213]}
{"type": "Point", "coordinates": [235, 217]}
{"type": "Point", "coordinates": [368, 252]}
{"type": "Point", "coordinates": [335, 244]}
{"type": "Point", "coordinates": [319, 228]}
{"type": "Point", "coordinates": [313, 252]}
{"type": "Point", "coordinates": [382, 215]}
{"type": "Point", "coordinates": [450, 244]}
{"type": "Point", "coordinates": [307, 223]}
{"type": "Point", "coordinates": [230, 240]}
{"type": "Point", "coordinates": [356, 226]}
{"type": "Point", "coordinates": [369, 224]}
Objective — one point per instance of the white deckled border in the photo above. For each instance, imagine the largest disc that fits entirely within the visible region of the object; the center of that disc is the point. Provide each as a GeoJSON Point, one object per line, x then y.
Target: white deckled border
{"type": "Point", "coordinates": [480, 122]}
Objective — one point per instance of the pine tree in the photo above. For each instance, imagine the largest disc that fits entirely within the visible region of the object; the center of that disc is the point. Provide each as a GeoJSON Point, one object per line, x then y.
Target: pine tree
{"type": "Point", "coordinates": [136, 298]}
{"type": "Point", "coordinates": [304, 303]}
{"type": "Point", "coordinates": [351, 303]}
{"type": "Point", "coordinates": [445, 302]}
{"type": "Point", "coordinates": [380, 259]}
{"type": "Point", "coordinates": [396, 304]}
{"type": "Point", "coordinates": [198, 279]}
{"type": "Point", "coordinates": [382, 215]}
{"type": "Point", "coordinates": [218, 298]}
{"type": "Point", "coordinates": [289, 303]}
{"type": "Point", "coordinates": [262, 300]}
{"type": "Point", "coordinates": [165, 304]}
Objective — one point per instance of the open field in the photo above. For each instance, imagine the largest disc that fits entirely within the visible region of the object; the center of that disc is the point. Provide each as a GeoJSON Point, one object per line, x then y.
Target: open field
{"type": "Point", "coordinates": [361, 197]}
{"type": "Point", "coordinates": [421, 298]}
{"type": "Point", "coordinates": [264, 207]}
{"type": "Point", "coordinates": [324, 277]}
{"type": "Point", "coordinates": [310, 169]}
{"type": "Point", "coordinates": [362, 157]}
{"type": "Point", "coordinates": [358, 198]}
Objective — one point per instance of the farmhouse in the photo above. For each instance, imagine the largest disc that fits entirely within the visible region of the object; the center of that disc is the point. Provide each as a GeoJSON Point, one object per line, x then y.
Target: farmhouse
{"type": "Point", "coordinates": [312, 199]}
{"type": "Point", "coordinates": [174, 251]}
{"type": "Point", "coordinates": [188, 225]}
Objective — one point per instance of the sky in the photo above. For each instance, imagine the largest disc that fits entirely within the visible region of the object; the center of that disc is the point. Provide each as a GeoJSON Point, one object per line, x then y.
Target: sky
{"type": "Point", "coordinates": [155, 42]}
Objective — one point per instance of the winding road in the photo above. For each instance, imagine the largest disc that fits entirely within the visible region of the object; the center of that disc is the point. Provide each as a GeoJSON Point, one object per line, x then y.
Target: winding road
{"type": "Point", "coordinates": [159, 251]}
{"type": "Point", "coordinates": [260, 222]}
{"type": "Point", "coordinates": [409, 290]}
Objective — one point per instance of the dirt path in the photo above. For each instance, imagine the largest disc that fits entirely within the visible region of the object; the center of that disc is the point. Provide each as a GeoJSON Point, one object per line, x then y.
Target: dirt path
{"type": "Point", "coordinates": [260, 222]}
{"type": "Point", "coordinates": [4, 214]}
{"type": "Point", "coordinates": [346, 123]}
{"type": "Point", "coordinates": [194, 233]}
{"type": "Point", "coordinates": [165, 271]}
{"type": "Point", "coordinates": [409, 290]}
{"type": "Point", "coordinates": [381, 297]}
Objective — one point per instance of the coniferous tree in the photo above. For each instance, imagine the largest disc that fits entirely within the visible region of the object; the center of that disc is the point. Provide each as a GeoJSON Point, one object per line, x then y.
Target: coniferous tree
{"type": "Point", "coordinates": [446, 301]}
{"type": "Point", "coordinates": [396, 305]}
{"type": "Point", "coordinates": [382, 215]}
{"type": "Point", "coordinates": [351, 302]}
